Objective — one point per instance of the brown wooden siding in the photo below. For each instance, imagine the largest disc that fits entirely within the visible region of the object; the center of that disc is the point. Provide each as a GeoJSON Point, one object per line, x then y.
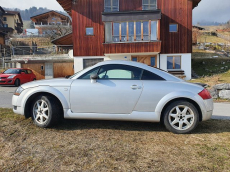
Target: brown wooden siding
{"type": "Point", "coordinates": [178, 12]}
{"type": "Point", "coordinates": [2, 39]}
{"type": "Point", "coordinates": [88, 14]}
{"type": "Point", "coordinates": [132, 47]}
{"type": "Point", "coordinates": [63, 69]}
{"type": "Point", "coordinates": [36, 68]}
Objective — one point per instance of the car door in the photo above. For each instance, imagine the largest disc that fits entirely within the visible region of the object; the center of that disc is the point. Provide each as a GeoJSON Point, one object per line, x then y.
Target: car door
{"type": "Point", "coordinates": [23, 76]}
{"type": "Point", "coordinates": [116, 91]}
{"type": "Point", "coordinates": [30, 75]}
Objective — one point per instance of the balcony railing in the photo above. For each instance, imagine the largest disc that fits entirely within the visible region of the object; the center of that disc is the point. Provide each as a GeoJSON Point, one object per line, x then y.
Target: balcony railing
{"type": "Point", "coordinates": [51, 24]}
{"type": "Point", "coordinates": [40, 50]}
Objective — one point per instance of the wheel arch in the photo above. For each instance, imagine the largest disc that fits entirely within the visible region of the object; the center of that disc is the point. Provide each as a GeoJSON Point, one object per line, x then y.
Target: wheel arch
{"type": "Point", "coordinates": [181, 99]}
{"type": "Point", "coordinates": [48, 91]}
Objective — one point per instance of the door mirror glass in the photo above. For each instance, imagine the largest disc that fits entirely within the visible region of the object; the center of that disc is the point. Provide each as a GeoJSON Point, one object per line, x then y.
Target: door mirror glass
{"type": "Point", "coordinates": [23, 73]}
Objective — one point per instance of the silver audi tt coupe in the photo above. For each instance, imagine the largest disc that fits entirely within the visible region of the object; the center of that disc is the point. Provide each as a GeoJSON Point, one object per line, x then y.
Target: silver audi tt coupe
{"type": "Point", "coordinates": [116, 90]}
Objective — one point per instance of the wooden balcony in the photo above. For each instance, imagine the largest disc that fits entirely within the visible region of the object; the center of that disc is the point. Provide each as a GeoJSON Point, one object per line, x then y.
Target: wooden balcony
{"type": "Point", "coordinates": [134, 47]}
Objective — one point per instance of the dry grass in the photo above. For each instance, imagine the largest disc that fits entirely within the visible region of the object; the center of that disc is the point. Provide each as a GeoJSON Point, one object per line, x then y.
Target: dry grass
{"type": "Point", "coordinates": [80, 145]}
{"type": "Point", "coordinates": [211, 39]}
{"type": "Point", "coordinates": [214, 79]}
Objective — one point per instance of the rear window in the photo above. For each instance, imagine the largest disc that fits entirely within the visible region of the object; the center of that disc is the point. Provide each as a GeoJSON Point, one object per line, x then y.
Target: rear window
{"type": "Point", "coordinates": [151, 76]}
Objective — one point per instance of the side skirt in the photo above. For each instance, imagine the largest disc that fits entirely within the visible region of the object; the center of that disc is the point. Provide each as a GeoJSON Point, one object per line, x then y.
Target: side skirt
{"type": "Point", "coordinates": [134, 116]}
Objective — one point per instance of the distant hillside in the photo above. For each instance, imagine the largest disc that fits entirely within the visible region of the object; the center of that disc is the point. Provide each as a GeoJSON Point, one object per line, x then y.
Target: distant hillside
{"type": "Point", "coordinates": [33, 11]}
{"type": "Point", "coordinates": [210, 23]}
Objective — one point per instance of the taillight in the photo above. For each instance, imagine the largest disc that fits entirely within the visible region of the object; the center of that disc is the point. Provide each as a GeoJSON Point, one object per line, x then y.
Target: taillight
{"type": "Point", "coordinates": [205, 94]}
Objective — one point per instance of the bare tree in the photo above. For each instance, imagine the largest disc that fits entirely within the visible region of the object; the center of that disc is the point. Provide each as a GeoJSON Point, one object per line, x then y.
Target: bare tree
{"type": "Point", "coordinates": [56, 31]}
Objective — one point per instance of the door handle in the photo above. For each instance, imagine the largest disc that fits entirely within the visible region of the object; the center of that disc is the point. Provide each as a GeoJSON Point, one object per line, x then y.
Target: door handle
{"type": "Point", "coordinates": [135, 87]}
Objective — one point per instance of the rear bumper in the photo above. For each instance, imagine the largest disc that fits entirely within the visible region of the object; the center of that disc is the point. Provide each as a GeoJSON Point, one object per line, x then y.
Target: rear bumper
{"type": "Point", "coordinates": [208, 111]}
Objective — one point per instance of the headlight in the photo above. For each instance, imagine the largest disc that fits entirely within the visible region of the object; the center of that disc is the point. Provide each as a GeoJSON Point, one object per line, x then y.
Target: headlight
{"type": "Point", "coordinates": [18, 91]}
{"type": "Point", "coordinates": [12, 76]}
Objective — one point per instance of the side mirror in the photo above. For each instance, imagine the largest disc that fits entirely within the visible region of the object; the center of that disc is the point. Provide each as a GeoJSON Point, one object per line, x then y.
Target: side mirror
{"type": "Point", "coordinates": [23, 73]}
{"type": "Point", "coordinates": [94, 78]}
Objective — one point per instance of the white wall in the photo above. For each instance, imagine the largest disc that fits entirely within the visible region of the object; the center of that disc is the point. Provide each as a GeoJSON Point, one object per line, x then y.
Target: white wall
{"type": "Point", "coordinates": [186, 63]}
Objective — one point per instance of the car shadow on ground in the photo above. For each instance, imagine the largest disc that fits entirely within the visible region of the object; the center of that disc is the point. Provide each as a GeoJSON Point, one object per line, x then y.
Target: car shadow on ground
{"type": "Point", "coordinates": [211, 126]}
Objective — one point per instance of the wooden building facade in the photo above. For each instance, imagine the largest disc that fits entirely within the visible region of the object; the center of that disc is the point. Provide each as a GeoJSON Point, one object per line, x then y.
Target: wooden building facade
{"type": "Point", "coordinates": [159, 31]}
{"type": "Point", "coordinates": [51, 20]}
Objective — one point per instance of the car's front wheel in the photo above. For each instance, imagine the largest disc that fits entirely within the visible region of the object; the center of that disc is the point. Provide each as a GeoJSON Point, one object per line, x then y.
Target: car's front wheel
{"type": "Point", "coordinates": [17, 83]}
{"type": "Point", "coordinates": [181, 117]}
{"type": "Point", "coordinates": [46, 111]}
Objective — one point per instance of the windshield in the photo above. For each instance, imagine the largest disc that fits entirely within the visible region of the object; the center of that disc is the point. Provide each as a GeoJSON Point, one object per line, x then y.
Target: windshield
{"type": "Point", "coordinates": [12, 71]}
{"type": "Point", "coordinates": [77, 73]}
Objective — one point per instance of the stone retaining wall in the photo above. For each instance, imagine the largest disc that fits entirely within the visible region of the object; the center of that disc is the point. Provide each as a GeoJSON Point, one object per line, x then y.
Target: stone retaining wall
{"type": "Point", "coordinates": [221, 91]}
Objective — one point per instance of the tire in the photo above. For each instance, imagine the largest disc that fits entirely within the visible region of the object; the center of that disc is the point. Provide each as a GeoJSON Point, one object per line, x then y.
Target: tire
{"type": "Point", "coordinates": [34, 79]}
{"type": "Point", "coordinates": [181, 117]}
{"type": "Point", "coordinates": [17, 83]}
{"type": "Point", "coordinates": [46, 111]}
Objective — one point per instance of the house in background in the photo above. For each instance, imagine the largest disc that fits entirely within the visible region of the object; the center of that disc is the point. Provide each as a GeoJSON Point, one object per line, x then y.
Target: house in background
{"type": "Point", "coordinates": [12, 21]}
{"type": "Point", "coordinates": [196, 33]}
{"type": "Point", "coordinates": [48, 22]}
{"type": "Point", "coordinates": [2, 33]}
{"type": "Point", "coordinates": [155, 32]}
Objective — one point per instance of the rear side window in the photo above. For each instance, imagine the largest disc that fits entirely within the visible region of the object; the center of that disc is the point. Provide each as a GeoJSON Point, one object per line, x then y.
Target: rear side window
{"type": "Point", "coordinates": [151, 76]}
{"type": "Point", "coordinates": [29, 71]}
{"type": "Point", "coordinates": [119, 72]}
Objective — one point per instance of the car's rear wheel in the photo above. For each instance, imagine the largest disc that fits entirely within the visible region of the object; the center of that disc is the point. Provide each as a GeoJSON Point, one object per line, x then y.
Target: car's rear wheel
{"type": "Point", "coordinates": [46, 111]}
{"type": "Point", "coordinates": [181, 117]}
{"type": "Point", "coordinates": [17, 82]}
{"type": "Point", "coordinates": [34, 79]}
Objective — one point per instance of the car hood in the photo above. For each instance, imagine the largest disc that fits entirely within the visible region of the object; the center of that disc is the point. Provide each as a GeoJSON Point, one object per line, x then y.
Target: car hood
{"type": "Point", "coordinates": [6, 75]}
{"type": "Point", "coordinates": [61, 82]}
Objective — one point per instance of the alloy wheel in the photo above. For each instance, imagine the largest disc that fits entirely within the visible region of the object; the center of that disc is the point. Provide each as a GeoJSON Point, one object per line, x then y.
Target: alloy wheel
{"type": "Point", "coordinates": [181, 117]}
{"type": "Point", "coordinates": [41, 112]}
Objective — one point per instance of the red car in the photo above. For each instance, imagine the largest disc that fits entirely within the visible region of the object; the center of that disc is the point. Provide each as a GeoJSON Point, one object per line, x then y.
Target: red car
{"type": "Point", "coordinates": [16, 76]}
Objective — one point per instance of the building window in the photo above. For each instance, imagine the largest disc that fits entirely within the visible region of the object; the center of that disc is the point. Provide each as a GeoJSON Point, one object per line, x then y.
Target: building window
{"type": "Point", "coordinates": [130, 31]}
{"type": "Point", "coordinates": [134, 59]}
{"type": "Point", "coordinates": [42, 67]}
{"type": "Point", "coordinates": [149, 4]}
{"type": "Point", "coordinates": [91, 62]}
{"type": "Point", "coordinates": [111, 5]}
{"type": "Point", "coordinates": [5, 25]}
{"type": "Point", "coordinates": [173, 28]}
{"type": "Point", "coordinates": [89, 31]}
{"type": "Point", "coordinates": [153, 61]}
{"type": "Point", "coordinates": [4, 19]}
{"type": "Point", "coordinates": [173, 62]}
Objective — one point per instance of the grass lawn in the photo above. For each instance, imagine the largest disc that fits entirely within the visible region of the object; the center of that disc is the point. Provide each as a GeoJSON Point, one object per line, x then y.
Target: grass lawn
{"type": "Point", "coordinates": [211, 39]}
{"type": "Point", "coordinates": [81, 145]}
{"type": "Point", "coordinates": [215, 79]}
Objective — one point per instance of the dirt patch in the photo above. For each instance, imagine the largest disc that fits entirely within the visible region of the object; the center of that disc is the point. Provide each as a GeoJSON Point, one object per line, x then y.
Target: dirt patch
{"type": "Point", "coordinates": [82, 145]}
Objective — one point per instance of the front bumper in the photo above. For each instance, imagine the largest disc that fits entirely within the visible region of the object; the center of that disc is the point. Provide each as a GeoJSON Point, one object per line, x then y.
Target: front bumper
{"type": "Point", "coordinates": [16, 105]}
{"type": "Point", "coordinates": [6, 81]}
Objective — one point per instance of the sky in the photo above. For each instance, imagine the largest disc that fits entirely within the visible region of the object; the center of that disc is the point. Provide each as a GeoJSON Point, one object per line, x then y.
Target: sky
{"type": "Point", "coordinates": [212, 10]}
{"type": "Point", "coordinates": [208, 10]}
